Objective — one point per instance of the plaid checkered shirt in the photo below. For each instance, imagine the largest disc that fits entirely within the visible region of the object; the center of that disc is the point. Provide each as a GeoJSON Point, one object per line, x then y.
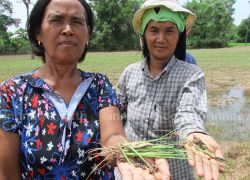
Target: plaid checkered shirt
{"type": "Point", "coordinates": [174, 100]}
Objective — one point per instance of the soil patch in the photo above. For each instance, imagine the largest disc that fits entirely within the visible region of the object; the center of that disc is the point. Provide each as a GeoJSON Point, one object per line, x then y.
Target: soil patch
{"type": "Point", "coordinates": [238, 155]}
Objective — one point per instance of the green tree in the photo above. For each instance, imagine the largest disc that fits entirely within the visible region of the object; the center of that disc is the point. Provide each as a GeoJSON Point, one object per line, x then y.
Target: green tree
{"type": "Point", "coordinates": [6, 11]}
{"type": "Point", "coordinates": [233, 36]}
{"type": "Point", "coordinates": [213, 24]}
{"type": "Point", "coordinates": [20, 42]}
{"type": "Point", "coordinates": [27, 4]}
{"type": "Point", "coordinates": [113, 24]}
{"type": "Point", "coordinates": [244, 30]}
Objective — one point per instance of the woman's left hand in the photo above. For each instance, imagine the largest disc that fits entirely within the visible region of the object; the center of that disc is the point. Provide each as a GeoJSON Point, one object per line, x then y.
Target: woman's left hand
{"type": "Point", "coordinates": [205, 166]}
{"type": "Point", "coordinates": [130, 172]}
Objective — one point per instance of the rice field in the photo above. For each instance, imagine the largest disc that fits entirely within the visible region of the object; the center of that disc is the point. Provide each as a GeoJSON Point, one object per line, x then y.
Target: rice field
{"type": "Point", "coordinates": [227, 71]}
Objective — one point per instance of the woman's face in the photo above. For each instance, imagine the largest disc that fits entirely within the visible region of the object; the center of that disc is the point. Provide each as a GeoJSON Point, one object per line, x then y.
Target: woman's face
{"type": "Point", "coordinates": [161, 39]}
{"type": "Point", "coordinates": [64, 31]}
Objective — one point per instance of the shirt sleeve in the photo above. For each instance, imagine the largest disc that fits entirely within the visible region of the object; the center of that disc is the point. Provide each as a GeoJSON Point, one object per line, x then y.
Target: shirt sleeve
{"type": "Point", "coordinates": [10, 109]}
{"type": "Point", "coordinates": [121, 94]}
{"type": "Point", "coordinates": [192, 108]}
{"type": "Point", "coordinates": [106, 93]}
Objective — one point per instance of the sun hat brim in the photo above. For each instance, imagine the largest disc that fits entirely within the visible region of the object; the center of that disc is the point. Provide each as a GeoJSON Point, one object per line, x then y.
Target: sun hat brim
{"type": "Point", "coordinates": [173, 5]}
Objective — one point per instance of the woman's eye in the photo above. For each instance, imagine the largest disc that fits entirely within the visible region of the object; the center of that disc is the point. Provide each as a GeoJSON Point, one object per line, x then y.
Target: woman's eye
{"type": "Point", "coordinates": [78, 22]}
{"type": "Point", "coordinates": [55, 20]}
{"type": "Point", "coordinates": [153, 30]}
{"type": "Point", "coordinates": [170, 32]}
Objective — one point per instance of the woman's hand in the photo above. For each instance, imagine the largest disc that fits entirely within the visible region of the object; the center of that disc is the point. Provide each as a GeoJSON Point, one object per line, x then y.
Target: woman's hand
{"type": "Point", "coordinates": [130, 172]}
{"type": "Point", "coordinates": [205, 166]}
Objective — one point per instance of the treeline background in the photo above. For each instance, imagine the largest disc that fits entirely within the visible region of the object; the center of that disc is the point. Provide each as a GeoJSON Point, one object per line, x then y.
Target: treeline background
{"type": "Point", "coordinates": [113, 30]}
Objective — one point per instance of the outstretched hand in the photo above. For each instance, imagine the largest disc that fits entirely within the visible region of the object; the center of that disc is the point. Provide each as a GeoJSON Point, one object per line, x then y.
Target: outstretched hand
{"type": "Point", "coordinates": [130, 172]}
{"type": "Point", "coordinates": [205, 166]}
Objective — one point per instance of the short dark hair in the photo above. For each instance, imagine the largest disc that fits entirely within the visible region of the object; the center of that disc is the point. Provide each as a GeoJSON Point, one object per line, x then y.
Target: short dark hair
{"type": "Point", "coordinates": [180, 50]}
{"type": "Point", "coordinates": [35, 20]}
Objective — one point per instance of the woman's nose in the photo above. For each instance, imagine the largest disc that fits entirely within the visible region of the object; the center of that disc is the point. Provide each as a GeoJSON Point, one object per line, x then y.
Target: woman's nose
{"type": "Point", "coordinates": [67, 30]}
{"type": "Point", "coordinates": [161, 37]}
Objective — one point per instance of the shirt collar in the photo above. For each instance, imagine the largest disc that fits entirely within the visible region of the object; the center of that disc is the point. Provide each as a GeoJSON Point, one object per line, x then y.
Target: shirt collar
{"type": "Point", "coordinates": [38, 82]}
{"type": "Point", "coordinates": [35, 81]}
{"type": "Point", "coordinates": [166, 69]}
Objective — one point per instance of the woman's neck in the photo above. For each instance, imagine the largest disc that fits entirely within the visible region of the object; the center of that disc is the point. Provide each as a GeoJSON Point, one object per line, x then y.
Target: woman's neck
{"type": "Point", "coordinates": [63, 80]}
{"type": "Point", "coordinates": [57, 72]}
{"type": "Point", "coordinates": [156, 66]}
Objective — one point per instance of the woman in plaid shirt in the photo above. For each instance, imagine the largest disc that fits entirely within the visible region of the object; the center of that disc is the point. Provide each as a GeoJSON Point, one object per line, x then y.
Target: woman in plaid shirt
{"type": "Point", "coordinates": [163, 93]}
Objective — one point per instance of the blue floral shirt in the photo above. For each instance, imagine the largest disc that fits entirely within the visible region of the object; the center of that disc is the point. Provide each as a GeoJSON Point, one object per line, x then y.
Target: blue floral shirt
{"type": "Point", "coordinates": [54, 137]}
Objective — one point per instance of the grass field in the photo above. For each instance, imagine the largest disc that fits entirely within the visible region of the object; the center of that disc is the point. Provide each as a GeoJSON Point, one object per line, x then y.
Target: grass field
{"type": "Point", "coordinates": [238, 44]}
{"type": "Point", "coordinates": [224, 68]}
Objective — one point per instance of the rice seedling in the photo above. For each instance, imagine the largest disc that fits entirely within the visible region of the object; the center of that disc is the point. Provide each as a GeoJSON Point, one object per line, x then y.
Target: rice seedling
{"type": "Point", "coordinates": [136, 153]}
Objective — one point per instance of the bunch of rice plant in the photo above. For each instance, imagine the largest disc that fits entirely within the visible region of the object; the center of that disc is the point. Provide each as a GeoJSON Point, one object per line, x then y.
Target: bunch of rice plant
{"type": "Point", "coordinates": [165, 147]}
{"type": "Point", "coordinates": [136, 152]}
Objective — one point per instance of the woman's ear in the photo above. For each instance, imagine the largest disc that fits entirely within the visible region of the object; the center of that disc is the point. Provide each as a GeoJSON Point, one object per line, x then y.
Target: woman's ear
{"type": "Point", "coordinates": [141, 42]}
{"type": "Point", "coordinates": [88, 37]}
{"type": "Point", "coordinates": [38, 37]}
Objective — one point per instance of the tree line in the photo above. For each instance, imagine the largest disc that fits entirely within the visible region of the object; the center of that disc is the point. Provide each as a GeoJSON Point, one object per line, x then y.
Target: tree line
{"type": "Point", "coordinates": [113, 30]}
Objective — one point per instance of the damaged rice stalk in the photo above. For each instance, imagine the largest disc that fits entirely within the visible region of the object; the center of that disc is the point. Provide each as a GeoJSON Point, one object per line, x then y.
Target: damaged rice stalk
{"type": "Point", "coordinates": [137, 152]}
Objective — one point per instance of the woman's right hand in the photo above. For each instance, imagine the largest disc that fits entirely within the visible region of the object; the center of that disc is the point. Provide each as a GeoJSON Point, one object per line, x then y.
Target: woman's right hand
{"type": "Point", "coordinates": [205, 166]}
{"type": "Point", "coordinates": [130, 172]}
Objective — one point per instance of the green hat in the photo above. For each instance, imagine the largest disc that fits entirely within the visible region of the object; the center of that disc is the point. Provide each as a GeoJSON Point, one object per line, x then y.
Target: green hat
{"type": "Point", "coordinates": [163, 14]}
{"type": "Point", "coordinates": [171, 5]}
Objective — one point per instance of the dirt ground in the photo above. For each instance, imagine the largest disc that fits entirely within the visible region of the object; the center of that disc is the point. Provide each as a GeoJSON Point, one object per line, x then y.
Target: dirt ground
{"type": "Point", "coordinates": [238, 156]}
{"type": "Point", "coordinates": [237, 153]}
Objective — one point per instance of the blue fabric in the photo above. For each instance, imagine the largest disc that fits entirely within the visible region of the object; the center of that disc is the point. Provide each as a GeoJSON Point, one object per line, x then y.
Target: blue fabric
{"type": "Point", "coordinates": [190, 59]}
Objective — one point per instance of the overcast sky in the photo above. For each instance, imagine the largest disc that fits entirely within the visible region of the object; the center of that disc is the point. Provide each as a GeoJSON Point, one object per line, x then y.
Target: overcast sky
{"type": "Point", "coordinates": [242, 11]}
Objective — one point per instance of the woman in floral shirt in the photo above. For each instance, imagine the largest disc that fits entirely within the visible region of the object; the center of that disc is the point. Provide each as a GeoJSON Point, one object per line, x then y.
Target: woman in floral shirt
{"type": "Point", "coordinates": [51, 116]}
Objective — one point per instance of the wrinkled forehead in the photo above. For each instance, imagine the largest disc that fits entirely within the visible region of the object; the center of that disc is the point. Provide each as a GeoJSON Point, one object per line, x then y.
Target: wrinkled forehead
{"type": "Point", "coordinates": [66, 8]}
